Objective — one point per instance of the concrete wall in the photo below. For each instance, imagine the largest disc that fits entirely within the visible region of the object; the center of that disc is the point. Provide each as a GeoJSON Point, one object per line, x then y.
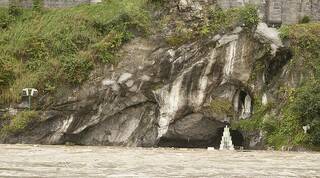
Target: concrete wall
{"type": "Point", "coordinates": [4, 3]}
{"type": "Point", "coordinates": [280, 11]}
{"type": "Point", "coordinates": [63, 3]}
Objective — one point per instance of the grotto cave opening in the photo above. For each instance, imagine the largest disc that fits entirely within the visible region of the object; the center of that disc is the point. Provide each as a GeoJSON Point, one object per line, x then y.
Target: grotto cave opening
{"type": "Point", "coordinates": [237, 139]}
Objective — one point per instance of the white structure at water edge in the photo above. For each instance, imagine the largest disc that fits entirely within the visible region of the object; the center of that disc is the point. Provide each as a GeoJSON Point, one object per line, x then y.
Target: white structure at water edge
{"type": "Point", "coordinates": [226, 141]}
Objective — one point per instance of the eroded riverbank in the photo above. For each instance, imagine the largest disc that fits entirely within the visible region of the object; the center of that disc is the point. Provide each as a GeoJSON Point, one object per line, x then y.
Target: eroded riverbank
{"type": "Point", "coordinates": [74, 161]}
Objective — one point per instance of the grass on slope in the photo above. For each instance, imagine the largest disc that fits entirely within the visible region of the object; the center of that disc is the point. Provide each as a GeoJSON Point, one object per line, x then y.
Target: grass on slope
{"type": "Point", "coordinates": [217, 21]}
{"type": "Point", "coordinates": [61, 46]}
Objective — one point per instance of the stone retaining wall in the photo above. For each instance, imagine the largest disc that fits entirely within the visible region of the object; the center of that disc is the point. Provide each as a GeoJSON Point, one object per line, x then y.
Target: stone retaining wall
{"type": "Point", "coordinates": [63, 3]}
{"type": "Point", "coordinates": [4, 2]}
{"type": "Point", "coordinates": [280, 11]}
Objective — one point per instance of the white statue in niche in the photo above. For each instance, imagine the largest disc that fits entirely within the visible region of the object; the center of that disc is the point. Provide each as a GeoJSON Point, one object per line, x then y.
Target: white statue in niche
{"type": "Point", "coordinates": [242, 104]}
{"type": "Point", "coordinates": [264, 99]}
{"type": "Point", "coordinates": [246, 108]}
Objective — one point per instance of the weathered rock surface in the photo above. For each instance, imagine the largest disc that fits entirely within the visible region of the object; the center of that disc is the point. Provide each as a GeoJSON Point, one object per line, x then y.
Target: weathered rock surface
{"type": "Point", "coordinates": [152, 94]}
{"type": "Point", "coordinates": [158, 95]}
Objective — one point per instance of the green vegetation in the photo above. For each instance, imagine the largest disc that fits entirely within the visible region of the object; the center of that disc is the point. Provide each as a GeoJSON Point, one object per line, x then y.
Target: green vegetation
{"type": "Point", "coordinates": [5, 18]}
{"type": "Point", "coordinates": [305, 19]}
{"type": "Point", "coordinates": [14, 8]}
{"type": "Point", "coordinates": [301, 106]}
{"type": "Point", "coordinates": [259, 121]}
{"type": "Point", "coordinates": [304, 43]}
{"type": "Point", "coordinates": [48, 49]}
{"type": "Point", "coordinates": [302, 109]}
{"type": "Point", "coordinates": [221, 106]}
{"type": "Point", "coordinates": [181, 34]}
{"type": "Point", "coordinates": [218, 21]}
{"type": "Point", "coordinates": [19, 122]}
{"type": "Point", "coordinates": [37, 5]}
{"type": "Point", "coordinates": [259, 65]}
{"type": "Point", "coordinates": [61, 46]}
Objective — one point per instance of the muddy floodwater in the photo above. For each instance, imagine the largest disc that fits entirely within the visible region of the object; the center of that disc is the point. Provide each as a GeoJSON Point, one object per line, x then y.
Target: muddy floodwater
{"type": "Point", "coordinates": [74, 161]}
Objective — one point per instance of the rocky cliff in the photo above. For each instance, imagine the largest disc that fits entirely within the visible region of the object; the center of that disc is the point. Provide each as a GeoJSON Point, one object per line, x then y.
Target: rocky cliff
{"type": "Point", "coordinates": [164, 95]}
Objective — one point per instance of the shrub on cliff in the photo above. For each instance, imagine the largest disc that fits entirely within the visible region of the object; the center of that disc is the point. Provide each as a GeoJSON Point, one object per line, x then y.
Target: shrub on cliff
{"type": "Point", "coordinates": [5, 18]}
{"type": "Point", "coordinates": [37, 5]}
{"type": "Point", "coordinates": [220, 20]}
{"type": "Point", "coordinates": [301, 109]}
{"type": "Point", "coordinates": [221, 106]}
{"type": "Point", "coordinates": [305, 107]}
{"type": "Point", "coordinates": [19, 122]}
{"type": "Point", "coordinates": [14, 8]}
{"type": "Point", "coordinates": [305, 19]}
{"type": "Point", "coordinates": [6, 73]}
{"type": "Point", "coordinates": [249, 16]}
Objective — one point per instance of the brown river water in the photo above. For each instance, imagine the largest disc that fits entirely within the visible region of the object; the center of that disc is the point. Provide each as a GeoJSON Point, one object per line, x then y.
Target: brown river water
{"type": "Point", "coordinates": [75, 161]}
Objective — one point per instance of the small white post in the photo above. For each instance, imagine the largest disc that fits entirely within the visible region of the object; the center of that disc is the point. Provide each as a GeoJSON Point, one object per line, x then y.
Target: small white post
{"type": "Point", "coordinates": [29, 92]}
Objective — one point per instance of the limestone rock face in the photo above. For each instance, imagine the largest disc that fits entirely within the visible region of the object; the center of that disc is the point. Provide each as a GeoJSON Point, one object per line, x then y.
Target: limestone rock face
{"type": "Point", "coordinates": [269, 35]}
{"type": "Point", "coordinates": [159, 95]}
{"type": "Point", "coordinates": [152, 94]}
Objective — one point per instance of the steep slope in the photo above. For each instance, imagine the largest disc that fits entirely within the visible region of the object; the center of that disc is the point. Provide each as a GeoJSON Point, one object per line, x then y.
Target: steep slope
{"type": "Point", "coordinates": [199, 70]}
